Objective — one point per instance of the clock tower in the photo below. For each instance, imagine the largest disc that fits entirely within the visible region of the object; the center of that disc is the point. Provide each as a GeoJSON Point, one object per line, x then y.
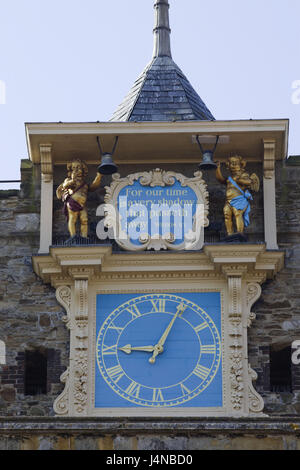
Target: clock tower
{"type": "Point", "coordinates": [158, 293]}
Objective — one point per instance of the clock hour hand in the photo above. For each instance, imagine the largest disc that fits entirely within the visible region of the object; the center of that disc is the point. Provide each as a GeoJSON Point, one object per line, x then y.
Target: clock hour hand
{"type": "Point", "coordinates": [158, 348]}
{"type": "Point", "coordinates": [128, 348]}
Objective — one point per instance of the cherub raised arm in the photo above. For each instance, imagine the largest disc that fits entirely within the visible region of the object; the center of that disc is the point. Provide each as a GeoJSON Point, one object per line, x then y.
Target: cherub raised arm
{"type": "Point", "coordinates": [238, 197]}
{"type": "Point", "coordinates": [73, 192]}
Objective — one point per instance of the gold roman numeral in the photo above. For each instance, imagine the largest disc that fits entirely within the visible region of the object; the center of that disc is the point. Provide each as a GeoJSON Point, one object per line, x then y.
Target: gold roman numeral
{"type": "Point", "coordinates": [185, 390]}
{"type": "Point", "coordinates": [157, 395]}
{"type": "Point", "coordinates": [109, 349]}
{"type": "Point", "coordinates": [134, 311]}
{"type": "Point", "coordinates": [115, 373]}
{"type": "Point", "coordinates": [133, 389]}
{"type": "Point", "coordinates": [208, 349]}
{"type": "Point", "coordinates": [201, 371]}
{"type": "Point", "coordinates": [158, 305]}
{"type": "Point", "coordinates": [201, 327]}
{"type": "Point", "coordinates": [119, 329]}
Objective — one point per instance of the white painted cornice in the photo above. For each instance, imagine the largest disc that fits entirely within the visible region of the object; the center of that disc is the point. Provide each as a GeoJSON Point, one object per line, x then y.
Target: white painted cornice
{"type": "Point", "coordinates": [252, 262]}
{"type": "Point", "coordinates": [155, 142]}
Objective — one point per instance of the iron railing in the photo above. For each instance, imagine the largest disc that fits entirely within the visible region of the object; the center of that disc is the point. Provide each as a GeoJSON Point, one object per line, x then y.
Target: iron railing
{"type": "Point", "coordinates": [10, 181]}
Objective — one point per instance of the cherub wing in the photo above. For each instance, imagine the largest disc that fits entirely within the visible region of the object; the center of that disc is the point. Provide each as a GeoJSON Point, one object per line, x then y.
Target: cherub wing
{"type": "Point", "coordinates": [255, 182]}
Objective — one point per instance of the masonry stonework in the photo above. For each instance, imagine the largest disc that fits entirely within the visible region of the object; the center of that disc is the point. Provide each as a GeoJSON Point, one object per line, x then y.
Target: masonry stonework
{"type": "Point", "coordinates": [157, 122]}
{"type": "Point", "coordinates": [31, 319]}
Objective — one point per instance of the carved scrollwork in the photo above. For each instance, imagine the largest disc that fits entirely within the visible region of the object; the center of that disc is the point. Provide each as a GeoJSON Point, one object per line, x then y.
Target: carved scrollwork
{"type": "Point", "coordinates": [256, 402]}
{"type": "Point", "coordinates": [193, 240]}
{"type": "Point", "coordinates": [157, 178]}
{"type": "Point", "coordinates": [81, 295]}
{"type": "Point", "coordinates": [253, 294]}
{"type": "Point", "coordinates": [78, 323]}
{"type": "Point", "coordinates": [81, 334]}
{"type": "Point", "coordinates": [63, 296]}
{"type": "Point", "coordinates": [61, 404]}
{"type": "Point", "coordinates": [236, 362]}
{"type": "Point", "coordinates": [80, 381]}
{"type": "Point", "coordinates": [236, 376]}
{"type": "Point", "coordinates": [234, 291]}
{"type": "Point", "coordinates": [80, 370]}
{"type": "Point", "coordinates": [235, 338]}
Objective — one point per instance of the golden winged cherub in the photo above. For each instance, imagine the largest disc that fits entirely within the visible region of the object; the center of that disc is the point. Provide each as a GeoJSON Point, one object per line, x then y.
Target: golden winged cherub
{"type": "Point", "coordinates": [238, 197]}
{"type": "Point", "coordinates": [73, 192]}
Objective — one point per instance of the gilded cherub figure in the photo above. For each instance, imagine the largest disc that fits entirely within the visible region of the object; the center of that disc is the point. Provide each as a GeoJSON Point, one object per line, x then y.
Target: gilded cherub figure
{"type": "Point", "coordinates": [238, 197]}
{"type": "Point", "coordinates": [73, 192]}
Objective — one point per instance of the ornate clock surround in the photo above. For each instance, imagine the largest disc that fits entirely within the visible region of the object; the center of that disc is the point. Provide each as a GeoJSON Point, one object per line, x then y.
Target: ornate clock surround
{"type": "Point", "coordinates": [79, 273]}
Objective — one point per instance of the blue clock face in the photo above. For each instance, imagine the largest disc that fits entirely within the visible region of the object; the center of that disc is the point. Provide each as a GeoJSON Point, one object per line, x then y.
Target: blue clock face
{"type": "Point", "coordinates": [158, 350]}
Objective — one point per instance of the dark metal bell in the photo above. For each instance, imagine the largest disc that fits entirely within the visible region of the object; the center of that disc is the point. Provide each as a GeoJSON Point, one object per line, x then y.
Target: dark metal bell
{"type": "Point", "coordinates": [107, 166]}
{"type": "Point", "coordinates": [207, 161]}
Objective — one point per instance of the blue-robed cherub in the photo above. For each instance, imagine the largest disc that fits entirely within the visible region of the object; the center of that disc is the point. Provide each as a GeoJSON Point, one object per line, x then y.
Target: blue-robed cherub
{"type": "Point", "coordinates": [238, 197]}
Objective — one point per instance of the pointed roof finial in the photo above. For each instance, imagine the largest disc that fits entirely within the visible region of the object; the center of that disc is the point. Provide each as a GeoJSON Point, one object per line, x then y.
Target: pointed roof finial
{"type": "Point", "coordinates": [162, 43]}
{"type": "Point", "coordinates": [162, 92]}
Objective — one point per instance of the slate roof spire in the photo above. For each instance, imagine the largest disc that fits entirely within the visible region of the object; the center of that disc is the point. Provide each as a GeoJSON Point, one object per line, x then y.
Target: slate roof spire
{"type": "Point", "coordinates": [162, 92]}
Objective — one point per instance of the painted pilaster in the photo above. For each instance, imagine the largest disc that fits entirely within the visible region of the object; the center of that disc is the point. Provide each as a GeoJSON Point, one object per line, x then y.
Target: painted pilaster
{"type": "Point", "coordinates": [237, 348]}
{"type": "Point", "coordinates": [46, 198]}
{"type": "Point", "coordinates": [79, 342]}
{"type": "Point", "coordinates": [255, 401]}
{"type": "Point", "coordinates": [2, 352]}
{"type": "Point", "coordinates": [62, 402]}
{"type": "Point", "coordinates": [244, 399]}
{"type": "Point", "coordinates": [270, 195]}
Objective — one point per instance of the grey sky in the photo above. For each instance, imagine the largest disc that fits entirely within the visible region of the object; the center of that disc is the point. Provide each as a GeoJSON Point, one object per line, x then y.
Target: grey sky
{"type": "Point", "coordinates": [75, 61]}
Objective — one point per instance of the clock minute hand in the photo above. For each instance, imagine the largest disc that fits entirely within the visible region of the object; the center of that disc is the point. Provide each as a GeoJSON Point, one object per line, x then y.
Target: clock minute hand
{"type": "Point", "coordinates": [180, 309]}
{"type": "Point", "coordinates": [158, 348]}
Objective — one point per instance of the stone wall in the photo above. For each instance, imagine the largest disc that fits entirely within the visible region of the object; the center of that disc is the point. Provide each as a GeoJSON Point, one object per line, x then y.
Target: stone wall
{"type": "Point", "coordinates": [278, 309]}
{"type": "Point", "coordinates": [31, 318]}
{"type": "Point", "coordinates": [151, 435]}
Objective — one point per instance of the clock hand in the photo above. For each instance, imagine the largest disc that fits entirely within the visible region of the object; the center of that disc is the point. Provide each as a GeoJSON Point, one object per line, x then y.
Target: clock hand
{"type": "Point", "coordinates": [128, 348]}
{"type": "Point", "coordinates": [158, 348]}
{"type": "Point", "coordinates": [180, 309]}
